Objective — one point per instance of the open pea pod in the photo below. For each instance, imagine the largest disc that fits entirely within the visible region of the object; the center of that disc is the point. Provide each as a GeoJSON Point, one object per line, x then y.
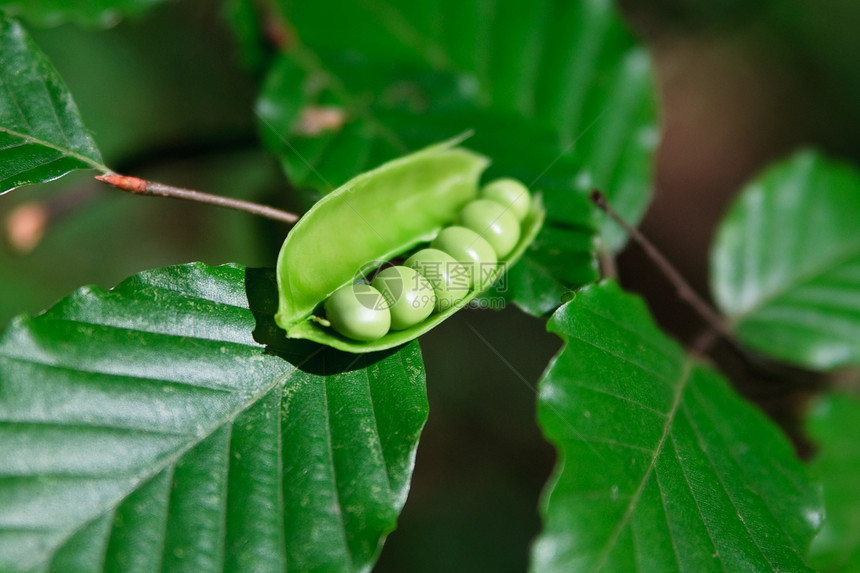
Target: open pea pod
{"type": "Point", "coordinates": [371, 219]}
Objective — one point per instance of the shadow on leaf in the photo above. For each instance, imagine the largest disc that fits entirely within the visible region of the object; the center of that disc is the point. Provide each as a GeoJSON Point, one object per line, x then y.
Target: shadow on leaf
{"type": "Point", "coordinates": [262, 291]}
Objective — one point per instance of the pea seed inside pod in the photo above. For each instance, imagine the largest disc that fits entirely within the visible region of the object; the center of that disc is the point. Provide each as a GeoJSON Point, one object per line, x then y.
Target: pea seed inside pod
{"type": "Point", "coordinates": [359, 312]}
{"type": "Point", "coordinates": [493, 222]}
{"type": "Point", "coordinates": [472, 251]}
{"type": "Point", "coordinates": [449, 278]}
{"type": "Point", "coordinates": [511, 194]}
{"type": "Point", "coordinates": [409, 295]}
{"type": "Point", "coordinates": [409, 198]}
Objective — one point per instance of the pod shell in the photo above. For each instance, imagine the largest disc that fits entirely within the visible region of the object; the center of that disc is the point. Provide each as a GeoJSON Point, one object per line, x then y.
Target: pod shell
{"type": "Point", "coordinates": [369, 220]}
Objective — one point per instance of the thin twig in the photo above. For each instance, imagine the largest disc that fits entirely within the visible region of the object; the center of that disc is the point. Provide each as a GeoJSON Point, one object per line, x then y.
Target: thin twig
{"type": "Point", "coordinates": [606, 264]}
{"type": "Point", "coordinates": [138, 186]}
{"type": "Point", "coordinates": [684, 290]}
{"type": "Point", "coordinates": [703, 342]}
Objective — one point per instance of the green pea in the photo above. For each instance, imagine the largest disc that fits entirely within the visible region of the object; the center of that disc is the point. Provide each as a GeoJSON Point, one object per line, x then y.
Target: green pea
{"type": "Point", "coordinates": [493, 222]}
{"type": "Point", "coordinates": [470, 250]}
{"type": "Point", "coordinates": [510, 193]}
{"type": "Point", "coordinates": [409, 295]}
{"type": "Point", "coordinates": [376, 216]}
{"type": "Point", "coordinates": [359, 312]}
{"type": "Point", "coordinates": [449, 278]}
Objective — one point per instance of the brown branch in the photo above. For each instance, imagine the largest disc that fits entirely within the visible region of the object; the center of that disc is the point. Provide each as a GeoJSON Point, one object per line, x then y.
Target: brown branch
{"type": "Point", "coordinates": [781, 390]}
{"type": "Point", "coordinates": [137, 186]}
{"type": "Point", "coordinates": [682, 287]}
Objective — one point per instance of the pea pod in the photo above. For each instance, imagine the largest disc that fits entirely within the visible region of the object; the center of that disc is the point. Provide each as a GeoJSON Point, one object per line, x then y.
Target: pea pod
{"type": "Point", "coordinates": [372, 218]}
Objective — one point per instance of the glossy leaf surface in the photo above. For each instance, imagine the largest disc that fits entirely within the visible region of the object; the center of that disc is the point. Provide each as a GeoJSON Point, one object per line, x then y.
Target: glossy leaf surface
{"type": "Point", "coordinates": [557, 93]}
{"type": "Point", "coordinates": [84, 12]}
{"type": "Point", "coordinates": [167, 425]}
{"type": "Point", "coordinates": [42, 136]}
{"type": "Point", "coordinates": [662, 467]}
{"type": "Point", "coordinates": [834, 424]}
{"type": "Point", "coordinates": [786, 262]}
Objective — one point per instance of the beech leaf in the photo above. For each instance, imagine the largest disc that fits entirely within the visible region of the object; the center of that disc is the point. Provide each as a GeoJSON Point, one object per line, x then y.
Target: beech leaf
{"type": "Point", "coordinates": [167, 424]}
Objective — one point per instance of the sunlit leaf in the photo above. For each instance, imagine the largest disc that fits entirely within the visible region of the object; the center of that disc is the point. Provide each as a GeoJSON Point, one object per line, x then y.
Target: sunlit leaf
{"type": "Point", "coordinates": [662, 467]}
{"type": "Point", "coordinates": [166, 424]}
{"type": "Point", "coordinates": [786, 262]}
{"type": "Point", "coordinates": [42, 136]}
{"type": "Point", "coordinates": [834, 424]}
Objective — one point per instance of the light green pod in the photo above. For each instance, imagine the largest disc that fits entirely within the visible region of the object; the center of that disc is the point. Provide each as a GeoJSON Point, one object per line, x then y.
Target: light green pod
{"type": "Point", "coordinates": [369, 220]}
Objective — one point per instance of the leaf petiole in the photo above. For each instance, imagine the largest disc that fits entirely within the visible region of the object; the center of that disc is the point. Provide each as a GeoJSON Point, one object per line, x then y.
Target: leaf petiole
{"type": "Point", "coordinates": [138, 186]}
{"type": "Point", "coordinates": [685, 292]}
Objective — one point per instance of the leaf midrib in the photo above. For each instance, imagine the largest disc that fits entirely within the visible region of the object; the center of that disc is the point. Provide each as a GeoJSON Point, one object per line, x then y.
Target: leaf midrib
{"type": "Point", "coordinates": [840, 257]}
{"type": "Point", "coordinates": [171, 460]}
{"type": "Point", "coordinates": [686, 372]}
{"type": "Point", "coordinates": [67, 152]}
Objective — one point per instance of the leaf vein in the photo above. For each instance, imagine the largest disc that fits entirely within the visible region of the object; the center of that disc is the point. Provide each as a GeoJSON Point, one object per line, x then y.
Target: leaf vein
{"type": "Point", "coordinates": [170, 460]}
{"type": "Point", "coordinates": [686, 371]}
{"type": "Point", "coordinates": [696, 500]}
{"type": "Point", "coordinates": [67, 152]}
{"type": "Point", "coordinates": [334, 470]}
{"type": "Point", "coordinates": [712, 463]}
{"type": "Point", "coordinates": [185, 383]}
{"type": "Point", "coordinates": [717, 422]}
{"type": "Point", "coordinates": [669, 529]}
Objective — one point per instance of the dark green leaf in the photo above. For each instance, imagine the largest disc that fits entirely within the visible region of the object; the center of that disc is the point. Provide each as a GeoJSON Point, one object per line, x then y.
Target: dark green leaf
{"type": "Point", "coordinates": [558, 94]}
{"type": "Point", "coordinates": [835, 424]}
{"type": "Point", "coordinates": [244, 22]}
{"type": "Point", "coordinates": [42, 136]}
{"type": "Point", "coordinates": [166, 424]}
{"type": "Point", "coordinates": [83, 12]}
{"type": "Point", "coordinates": [786, 262]}
{"type": "Point", "coordinates": [662, 467]}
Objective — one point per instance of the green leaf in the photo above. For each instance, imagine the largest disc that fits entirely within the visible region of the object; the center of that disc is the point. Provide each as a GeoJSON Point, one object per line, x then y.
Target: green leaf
{"type": "Point", "coordinates": [83, 12]}
{"type": "Point", "coordinates": [786, 262]}
{"type": "Point", "coordinates": [244, 23]}
{"type": "Point", "coordinates": [167, 425]}
{"type": "Point", "coordinates": [42, 136]}
{"type": "Point", "coordinates": [558, 94]}
{"type": "Point", "coordinates": [835, 423]}
{"type": "Point", "coordinates": [662, 467]}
